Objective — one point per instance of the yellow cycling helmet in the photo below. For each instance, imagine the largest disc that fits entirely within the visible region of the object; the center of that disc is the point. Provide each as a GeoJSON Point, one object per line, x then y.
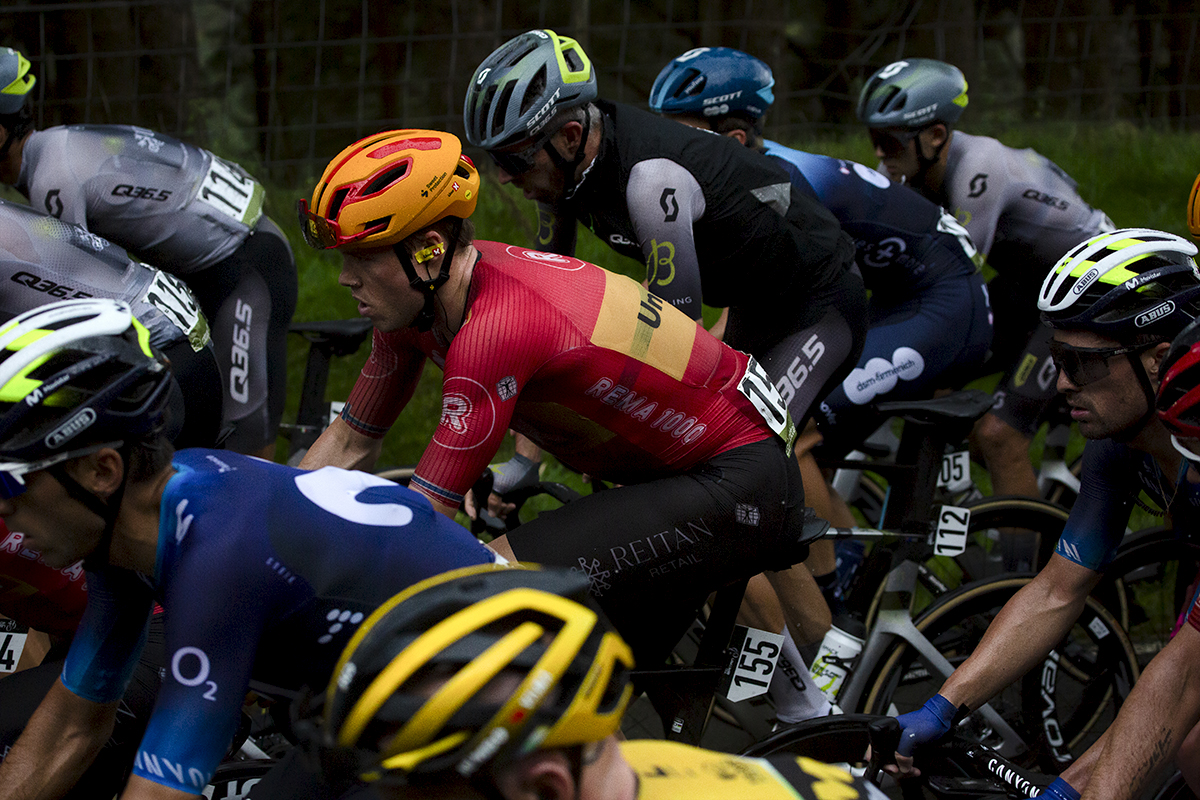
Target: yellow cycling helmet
{"type": "Point", "coordinates": [386, 187]}
{"type": "Point", "coordinates": [1194, 209]}
{"type": "Point", "coordinates": [476, 667]}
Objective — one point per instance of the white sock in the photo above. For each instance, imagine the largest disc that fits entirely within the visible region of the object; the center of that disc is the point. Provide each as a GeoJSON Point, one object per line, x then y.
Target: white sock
{"type": "Point", "coordinates": [795, 695]}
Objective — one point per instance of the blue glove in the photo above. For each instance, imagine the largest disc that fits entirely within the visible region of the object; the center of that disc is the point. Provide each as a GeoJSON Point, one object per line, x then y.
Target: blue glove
{"type": "Point", "coordinates": [518, 472]}
{"type": "Point", "coordinates": [927, 724]}
{"type": "Point", "coordinates": [1059, 790]}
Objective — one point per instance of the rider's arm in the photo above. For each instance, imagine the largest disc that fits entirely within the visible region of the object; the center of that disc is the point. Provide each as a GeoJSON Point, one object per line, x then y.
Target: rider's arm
{"type": "Point", "coordinates": [384, 387]}
{"type": "Point", "coordinates": [59, 743]}
{"type": "Point", "coordinates": [664, 201]}
{"type": "Point", "coordinates": [1025, 630]}
{"type": "Point", "coordinates": [339, 445]}
{"type": "Point", "coordinates": [1163, 707]}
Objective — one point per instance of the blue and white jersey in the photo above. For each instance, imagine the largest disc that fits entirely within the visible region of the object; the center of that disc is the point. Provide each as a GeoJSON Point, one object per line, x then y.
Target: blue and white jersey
{"type": "Point", "coordinates": [264, 572]}
{"type": "Point", "coordinates": [903, 242]}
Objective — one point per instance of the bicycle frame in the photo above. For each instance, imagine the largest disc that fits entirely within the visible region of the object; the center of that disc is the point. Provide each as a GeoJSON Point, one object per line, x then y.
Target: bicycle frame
{"type": "Point", "coordinates": [897, 623]}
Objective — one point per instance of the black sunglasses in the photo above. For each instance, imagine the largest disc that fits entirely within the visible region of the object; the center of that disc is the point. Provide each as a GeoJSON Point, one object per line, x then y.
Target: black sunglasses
{"type": "Point", "coordinates": [890, 142]}
{"type": "Point", "coordinates": [1084, 365]}
{"type": "Point", "coordinates": [519, 162]}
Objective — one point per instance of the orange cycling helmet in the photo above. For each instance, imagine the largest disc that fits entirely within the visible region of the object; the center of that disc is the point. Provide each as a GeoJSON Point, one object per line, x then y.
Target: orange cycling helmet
{"type": "Point", "coordinates": [386, 187]}
{"type": "Point", "coordinates": [1194, 209]}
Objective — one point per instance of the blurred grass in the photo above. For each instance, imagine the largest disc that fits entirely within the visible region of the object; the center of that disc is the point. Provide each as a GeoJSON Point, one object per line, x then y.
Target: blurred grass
{"type": "Point", "coordinates": [1140, 177]}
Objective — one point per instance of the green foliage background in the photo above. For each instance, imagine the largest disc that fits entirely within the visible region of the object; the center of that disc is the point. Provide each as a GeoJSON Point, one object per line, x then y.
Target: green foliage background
{"type": "Point", "coordinates": [1140, 177]}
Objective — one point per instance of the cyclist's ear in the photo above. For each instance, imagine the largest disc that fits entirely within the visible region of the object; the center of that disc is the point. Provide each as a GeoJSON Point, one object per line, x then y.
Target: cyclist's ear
{"type": "Point", "coordinates": [542, 775]}
{"type": "Point", "coordinates": [1155, 356]}
{"type": "Point", "coordinates": [933, 137]}
{"type": "Point", "coordinates": [568, 139]}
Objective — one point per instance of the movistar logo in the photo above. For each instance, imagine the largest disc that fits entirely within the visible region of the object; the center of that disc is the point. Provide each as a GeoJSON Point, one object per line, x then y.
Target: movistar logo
{"type": "Point", "coordinates": [71, 428]}
{"type": "Point", "coordinates": [1155, 314]}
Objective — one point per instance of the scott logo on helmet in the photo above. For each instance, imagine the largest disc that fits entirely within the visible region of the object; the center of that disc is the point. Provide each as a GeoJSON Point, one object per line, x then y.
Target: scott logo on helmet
{"type": "Point", "coordinates": [538, 120]}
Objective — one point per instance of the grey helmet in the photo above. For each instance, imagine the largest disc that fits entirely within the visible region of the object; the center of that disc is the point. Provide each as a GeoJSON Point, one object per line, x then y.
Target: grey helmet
{"type": "Point", "coordinates": [913, 93]}
{"type": "Point", "coordinates": [518, 89]}
{"type": "Point", "coordinates": [15, 80]}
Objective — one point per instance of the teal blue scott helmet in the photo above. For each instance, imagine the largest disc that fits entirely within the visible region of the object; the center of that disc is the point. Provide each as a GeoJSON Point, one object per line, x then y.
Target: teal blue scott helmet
{"type": "Point", "coordinates": [913, 93]}
{"type": "Point", "coordinates": [714, 82]}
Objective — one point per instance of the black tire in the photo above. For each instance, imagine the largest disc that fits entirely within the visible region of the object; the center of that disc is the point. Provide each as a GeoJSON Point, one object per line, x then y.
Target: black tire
{"type": "Point", "coordinates": [1088, 675]}
{"type": "Point", "coordinates": [1148, 584]}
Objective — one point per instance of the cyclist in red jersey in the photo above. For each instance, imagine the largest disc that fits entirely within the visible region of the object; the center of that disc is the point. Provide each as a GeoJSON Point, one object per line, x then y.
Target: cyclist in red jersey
{"type": "Point", "coordinates": [587, 364]}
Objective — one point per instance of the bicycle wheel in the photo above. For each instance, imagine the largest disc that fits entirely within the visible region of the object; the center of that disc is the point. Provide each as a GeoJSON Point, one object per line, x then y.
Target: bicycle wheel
{"type": "Point", "coordinates": [1148, 584]}
{"type": "Point", "coordinates": [983, 559]}
{"type": "Point", "coordinates": [1058, 710]}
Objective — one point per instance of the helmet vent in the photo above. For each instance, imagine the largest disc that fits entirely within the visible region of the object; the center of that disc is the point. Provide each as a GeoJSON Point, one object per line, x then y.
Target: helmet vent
{"type": "Point", "coordinates": [894, 94]}
{"type": "Point", "coordinates": [500, 112]}
{"type": "Point", "coordinates": [335, 204]}
{"type": "Point", "coordinates": [693, 83]}
{"type": "Point", "coordinates": [461, 172]}
{"type": "Point", "coordinates": [537, 87]}
{"type": "Point", "coordinates": [387, 178]}
{"type": "Point", "coordinates": [574, 62]}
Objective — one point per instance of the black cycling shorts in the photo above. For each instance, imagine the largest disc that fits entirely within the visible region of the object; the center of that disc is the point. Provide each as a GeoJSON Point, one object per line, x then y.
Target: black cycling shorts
{"type": "Point", "coordinates": [249, 299]}
{"type": "Point", "coordinates": [807, 345]}
{"type": "Point", "coordinates": [654, 551]}
{"type": "Point", "coordinates": [1028, 392]}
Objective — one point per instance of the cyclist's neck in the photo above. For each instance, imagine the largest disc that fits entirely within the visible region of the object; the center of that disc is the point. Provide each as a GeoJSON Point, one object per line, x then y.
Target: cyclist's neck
{"type": "Point", "coordinates": [135, 535]}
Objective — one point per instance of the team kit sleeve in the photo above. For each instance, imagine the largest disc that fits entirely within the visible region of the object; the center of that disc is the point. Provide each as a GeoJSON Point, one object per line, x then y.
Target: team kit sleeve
{"type": "Point", "coordinates": [665, 200]}
{"type": "Point", "coordinates": [490, 362]}
{"type": "Point", "coordinates": [55, 188]}
{"type": "Point", "coordinates": [1097, 521]}
{"type": "Point", "coordinates": [386, 384]}
{"type": "Point", "coordinates": [110, 636]}
{"type": "Point", "coordinates": [215, 620]}
{"type": "Point", "coordinates": [981, 191]}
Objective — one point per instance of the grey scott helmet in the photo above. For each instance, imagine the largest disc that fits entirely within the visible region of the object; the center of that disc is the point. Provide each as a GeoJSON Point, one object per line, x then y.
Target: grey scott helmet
{"type": "Point", "coordinates": [518, 89]}
{"type": "Point", "coordinates": [913, 93]}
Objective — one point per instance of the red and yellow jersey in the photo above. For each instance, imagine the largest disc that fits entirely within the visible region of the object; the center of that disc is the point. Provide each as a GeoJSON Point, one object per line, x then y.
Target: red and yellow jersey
{"type": "Point", "coordinates": [586, 363]}
{"type": "Point", "coordinates": [673, 770]}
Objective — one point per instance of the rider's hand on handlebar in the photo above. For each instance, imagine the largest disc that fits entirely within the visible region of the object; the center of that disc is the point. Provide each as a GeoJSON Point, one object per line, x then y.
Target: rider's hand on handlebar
{"type": "Point", "coordinates": [927, 724]}
{"type": "Point", "coordinates": [1059, 790]}
{"type": "Point", "coordinates": [496, 506]}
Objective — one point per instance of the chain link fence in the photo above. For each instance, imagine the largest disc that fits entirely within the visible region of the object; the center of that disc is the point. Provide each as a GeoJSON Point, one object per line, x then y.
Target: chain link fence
{"type": "Point", "coordinates": [284, 85]}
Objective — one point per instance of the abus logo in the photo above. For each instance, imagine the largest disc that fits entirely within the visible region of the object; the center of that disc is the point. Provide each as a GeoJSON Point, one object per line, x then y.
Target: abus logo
{"type": "Point", "coordinates": [1087, 280]}
{"type": "Point", "coordinates": [71, 428]}
{"type": "Point", "coordinates": [1155, 314]}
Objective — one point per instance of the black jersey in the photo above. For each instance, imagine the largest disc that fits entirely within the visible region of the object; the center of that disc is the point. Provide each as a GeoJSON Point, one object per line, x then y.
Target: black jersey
{"type": "Point", "coordinates": [711, 219]}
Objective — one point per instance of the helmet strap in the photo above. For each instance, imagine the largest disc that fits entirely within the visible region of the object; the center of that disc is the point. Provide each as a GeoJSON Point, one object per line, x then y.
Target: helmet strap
{"type": "Point", "coordinates": [1139, 369]}
{"type": "Point", "coordinates": [107, 510]}
{"type": "Point", "coordinates": [568, 167]}
{"type": "Point", "coordinates": [428, 287]}
{"type": "Point", "coordinates": [924, 165]}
